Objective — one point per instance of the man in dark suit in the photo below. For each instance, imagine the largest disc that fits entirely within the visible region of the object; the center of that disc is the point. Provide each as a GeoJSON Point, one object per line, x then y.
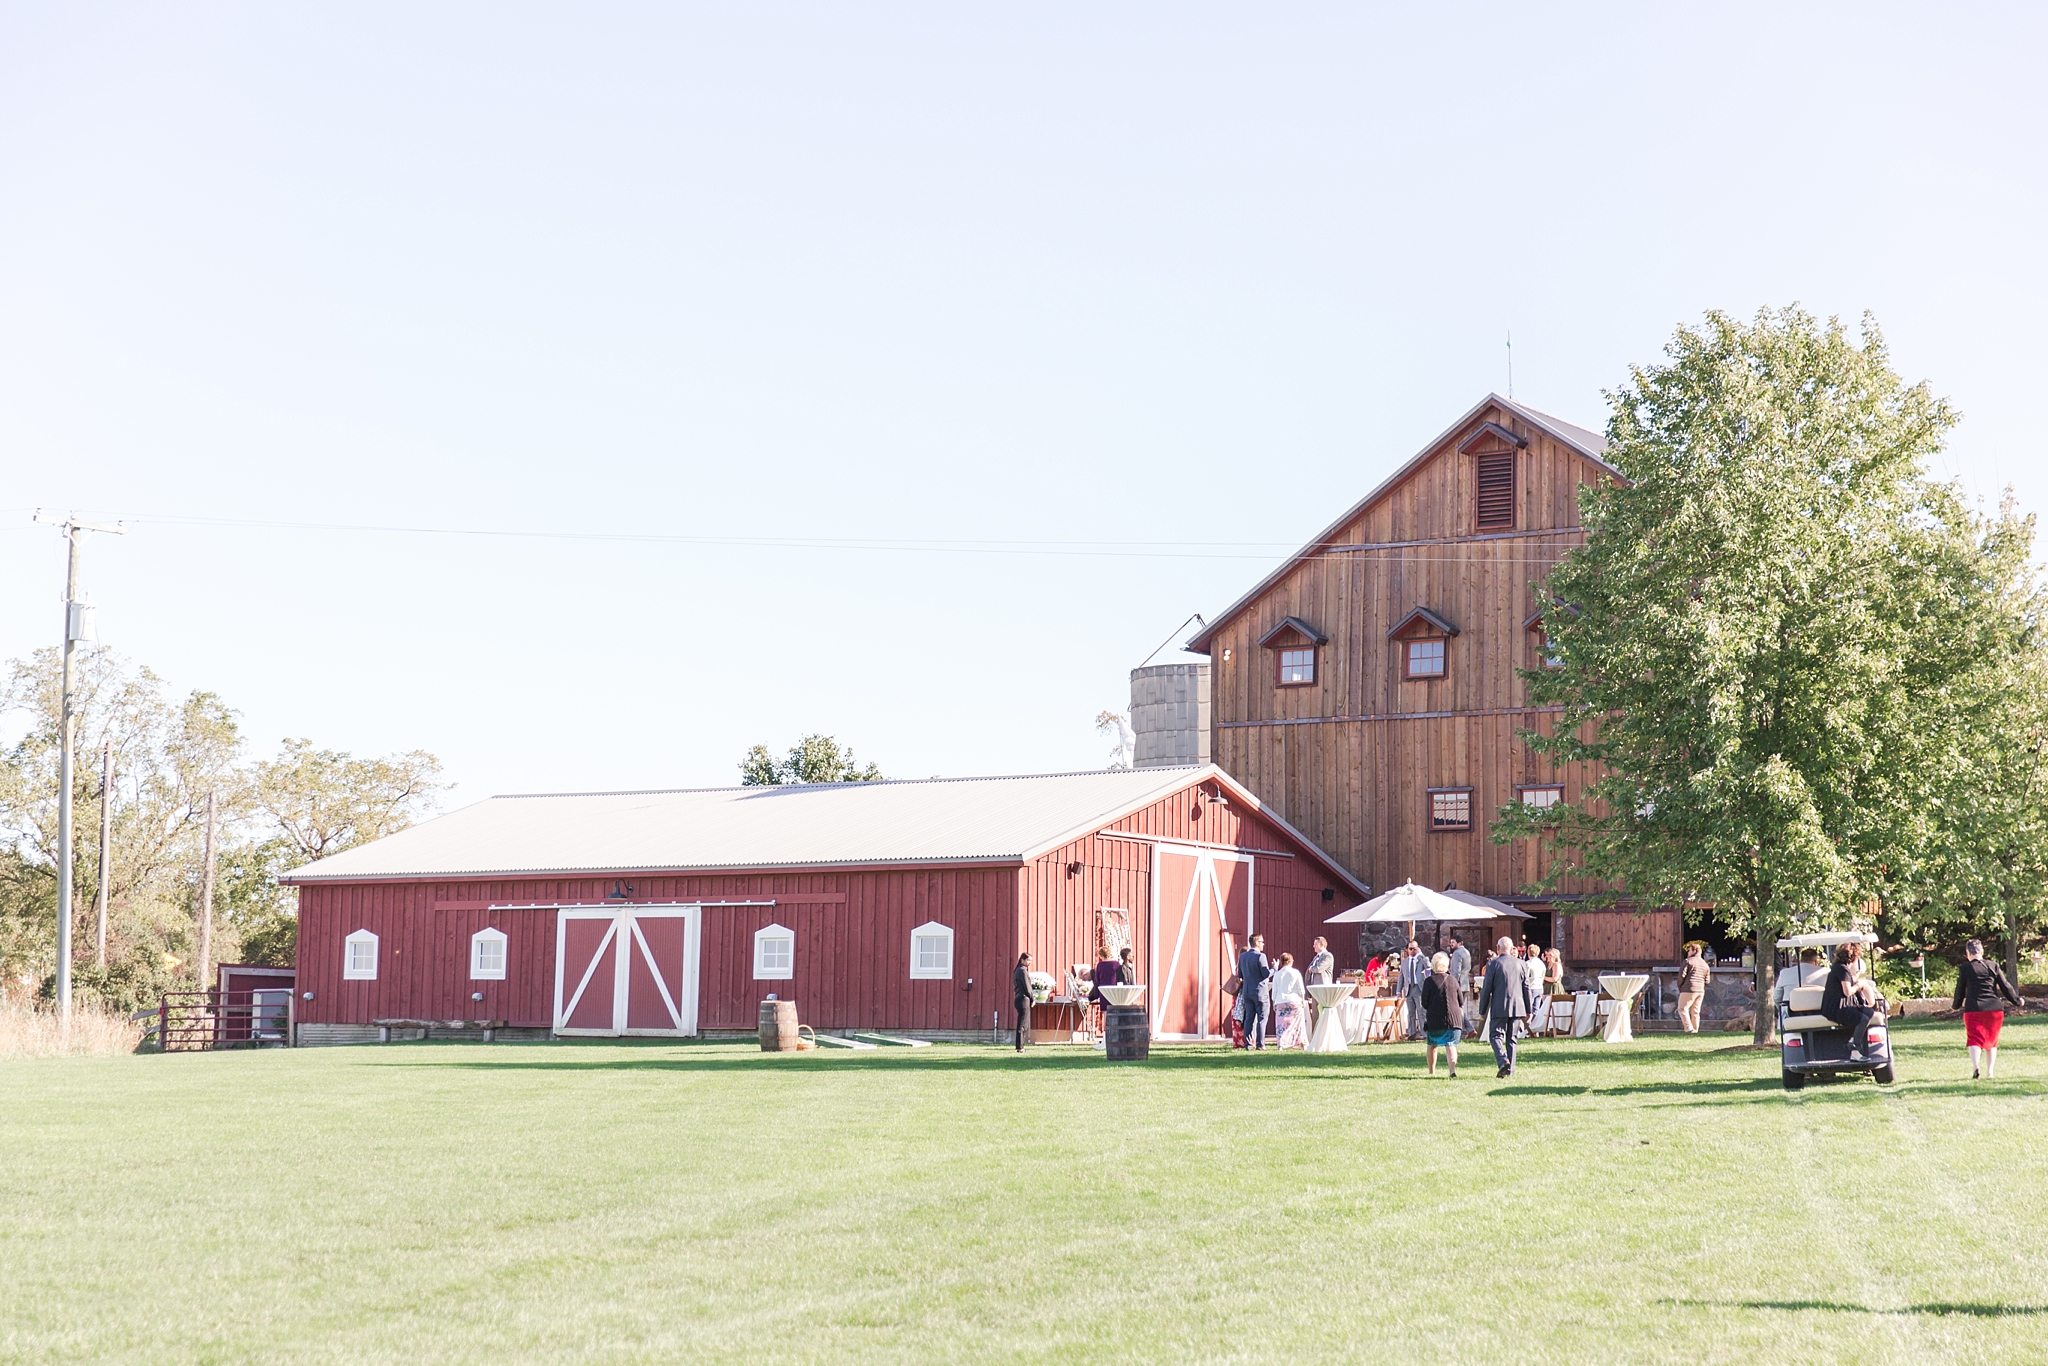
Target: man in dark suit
{"type": "Point", "coordinates": [1252, 972]}
{"type": "Point", "coordinates": [1504, 1000]}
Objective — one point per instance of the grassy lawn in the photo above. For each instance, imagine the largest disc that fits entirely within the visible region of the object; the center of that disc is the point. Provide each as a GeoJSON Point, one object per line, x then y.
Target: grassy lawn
{"type": "Point", "coordinates": [601, 1202]}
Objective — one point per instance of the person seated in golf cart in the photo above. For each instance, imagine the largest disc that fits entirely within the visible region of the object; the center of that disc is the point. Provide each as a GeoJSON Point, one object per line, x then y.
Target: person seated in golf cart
{"type": "Point", "coordinates": [1807, 972]}
{"type": "Point", "coordinates": [1850, 1001]}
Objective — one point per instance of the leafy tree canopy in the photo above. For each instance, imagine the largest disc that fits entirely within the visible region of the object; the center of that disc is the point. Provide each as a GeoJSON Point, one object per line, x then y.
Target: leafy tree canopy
{"type": "Point", "coordinates": [814, 759]}
{"type": "Point", "coordinates": [1771, 641]}
{"type": "Point", "coordinates": [168, 755]}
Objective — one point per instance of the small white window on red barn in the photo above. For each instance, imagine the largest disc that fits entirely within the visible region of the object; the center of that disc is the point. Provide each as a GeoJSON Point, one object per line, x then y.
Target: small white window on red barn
{"type": "Point", "coordinates": [931, 951]}
{"type": "Point", "coordinates": [487, 956]}
{"type": "Point", "coordinates": [1548, 795]}
{"type": "Point", "coordinates": [359, 957]}
{"type": "Point", "coordinates": [1294, 644]}
{"type": "Point", "coordinates": [774, 953]}
{"type": "Point", "coordinates": [1450, 808]}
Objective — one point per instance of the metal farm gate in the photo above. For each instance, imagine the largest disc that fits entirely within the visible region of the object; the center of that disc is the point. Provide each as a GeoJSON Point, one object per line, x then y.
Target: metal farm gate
{"type": "Point", "coordinates": [194, 1021]}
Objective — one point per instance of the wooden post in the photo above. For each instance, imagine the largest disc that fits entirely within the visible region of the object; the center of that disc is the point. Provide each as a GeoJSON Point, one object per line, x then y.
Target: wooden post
{"type": "Point", "coordinates": [206, 891]}
{"type": "Point", "coordinates": [99, 956]}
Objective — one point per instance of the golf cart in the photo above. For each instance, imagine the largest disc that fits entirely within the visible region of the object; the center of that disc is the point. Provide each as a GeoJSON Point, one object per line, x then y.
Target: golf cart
{"type": "Point", "coordinates": [1810, 1044]}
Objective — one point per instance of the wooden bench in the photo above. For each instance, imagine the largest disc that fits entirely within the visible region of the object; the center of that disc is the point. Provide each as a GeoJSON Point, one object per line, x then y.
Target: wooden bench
{"type": "Point", "coordinates": [489, 1027]}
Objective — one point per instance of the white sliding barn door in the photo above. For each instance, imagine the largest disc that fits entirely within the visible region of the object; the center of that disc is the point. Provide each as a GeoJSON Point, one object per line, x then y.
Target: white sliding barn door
{"type": "Point", "coordinates": [1201, 914]}
{"type": "Point", "coordinates": [626, 970]}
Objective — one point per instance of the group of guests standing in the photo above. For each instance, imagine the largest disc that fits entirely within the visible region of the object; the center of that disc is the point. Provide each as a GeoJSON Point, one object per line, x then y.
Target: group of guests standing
{"type": "Point", "coordinates": [1279, 991]}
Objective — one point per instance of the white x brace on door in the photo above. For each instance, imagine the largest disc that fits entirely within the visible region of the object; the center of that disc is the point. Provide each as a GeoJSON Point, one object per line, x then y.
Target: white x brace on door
{"type": "Point", "coordinates": [628, 970]}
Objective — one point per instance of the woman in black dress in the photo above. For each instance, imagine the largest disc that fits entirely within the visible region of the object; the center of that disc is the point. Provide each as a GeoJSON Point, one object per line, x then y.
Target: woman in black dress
{"type": "Point", "coordinates": [1020, 989]}
{"type": "Point", "coordinates": [1847, 1001]}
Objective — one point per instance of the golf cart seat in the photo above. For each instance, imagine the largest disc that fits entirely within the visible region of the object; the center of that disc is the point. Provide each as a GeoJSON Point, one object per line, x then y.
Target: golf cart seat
{"type": "Point", "coordinates": [1802, 1010]}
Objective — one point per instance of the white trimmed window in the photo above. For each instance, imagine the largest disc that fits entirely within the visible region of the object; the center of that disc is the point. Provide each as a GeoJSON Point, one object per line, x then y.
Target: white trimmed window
{"type": "Point", "coordinates": [1542, 796]}
{"type": "Point", "coordinates": [487, 956]}
{"type": "Point", "coordinates": [774, 953]}
{"type": "Point", "coordinates": [931, 951]}
{"type": "Point", "coordinates": [359, 957]}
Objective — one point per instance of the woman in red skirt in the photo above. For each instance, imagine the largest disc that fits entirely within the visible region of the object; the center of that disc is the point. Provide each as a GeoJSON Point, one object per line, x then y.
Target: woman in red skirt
{"type": "Point", "coordinates": [1981, 994]}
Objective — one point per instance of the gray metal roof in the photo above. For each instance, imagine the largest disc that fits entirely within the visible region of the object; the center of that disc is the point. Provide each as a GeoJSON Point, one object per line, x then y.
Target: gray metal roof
{"type": "Point", "coordinates": [1589, 444]}
{"type": "Point", "coordinates": [934, 821]}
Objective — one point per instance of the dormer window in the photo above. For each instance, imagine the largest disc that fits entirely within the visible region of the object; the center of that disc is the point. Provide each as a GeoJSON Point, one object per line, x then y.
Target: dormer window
{"type": "Point", "coordinates": [1493, 449]}
{"type": "Point", "coordinates": [1539, 643]}
{"type": "Point", "coordinates": [1294, 644]}
{"type": "Point", "coordinates": [1424, 640]}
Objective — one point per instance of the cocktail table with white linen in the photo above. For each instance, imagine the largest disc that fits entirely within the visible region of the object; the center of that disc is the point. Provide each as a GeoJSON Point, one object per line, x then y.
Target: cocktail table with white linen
{"type": "Point", "coordinates": [1329, 1033]}
{"type": "Point", "coordinates": [1622, 986]}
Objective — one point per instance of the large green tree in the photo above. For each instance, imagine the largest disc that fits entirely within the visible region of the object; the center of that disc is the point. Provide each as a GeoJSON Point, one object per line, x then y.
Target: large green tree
{"type": "Point", "coordinates": [1756, 644]}
{"type": "Point", "coordinates": [1983, 870]}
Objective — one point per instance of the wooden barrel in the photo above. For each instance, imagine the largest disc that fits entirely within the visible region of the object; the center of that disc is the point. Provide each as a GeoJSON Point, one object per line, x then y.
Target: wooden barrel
{"type": "Point", "coordinates": [1128, 1035]}
{"type": "Point", "coordinates": [778, 1027]}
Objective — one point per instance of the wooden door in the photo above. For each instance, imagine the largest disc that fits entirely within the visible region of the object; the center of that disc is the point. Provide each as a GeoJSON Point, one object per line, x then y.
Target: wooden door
{"type": "Point", "coordinates": [1201, 913]}
{"type": "Point", "coordinates": [626, 971]}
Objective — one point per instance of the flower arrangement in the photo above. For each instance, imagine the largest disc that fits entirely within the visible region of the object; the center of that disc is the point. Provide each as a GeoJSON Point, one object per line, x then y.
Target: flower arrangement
{"type": "Point", "coordinates": [1041, 987]}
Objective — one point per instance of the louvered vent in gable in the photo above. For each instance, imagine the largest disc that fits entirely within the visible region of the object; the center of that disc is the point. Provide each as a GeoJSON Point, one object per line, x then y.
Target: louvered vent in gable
{"type": "Point", "coordinates": [1497, 491]}
{"type": "Point", "coordinates": [1493, 449]}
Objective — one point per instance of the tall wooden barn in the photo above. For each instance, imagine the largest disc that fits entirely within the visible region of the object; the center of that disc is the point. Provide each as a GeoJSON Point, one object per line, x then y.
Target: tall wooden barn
{"type": "Point", "coordinates": [893, 906]}
{"type": "Point", "coordinates": [1368, 688]}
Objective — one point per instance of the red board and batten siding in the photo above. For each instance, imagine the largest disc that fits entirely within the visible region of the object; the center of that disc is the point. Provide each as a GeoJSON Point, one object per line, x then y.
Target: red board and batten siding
{"type": "Point", "coordinates": [1057, 909]}
{"type": "Point", "coordinates": [852, 946]}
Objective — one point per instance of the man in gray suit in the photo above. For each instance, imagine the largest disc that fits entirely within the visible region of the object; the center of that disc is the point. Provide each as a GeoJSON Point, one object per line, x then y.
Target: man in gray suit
{"type": "Point", "coordinates": [1461, 963]}
{"type": "Point", "coordinates": [1504, 1001]}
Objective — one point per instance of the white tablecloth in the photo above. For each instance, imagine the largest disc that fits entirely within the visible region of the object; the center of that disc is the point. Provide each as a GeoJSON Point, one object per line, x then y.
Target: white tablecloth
{"type": "Point", "coordinates": [1585, 1013]}
{"type": "Point", "coordinates": [1622, 986]}
{"type": "Point", "coordinates": [1330, 997]}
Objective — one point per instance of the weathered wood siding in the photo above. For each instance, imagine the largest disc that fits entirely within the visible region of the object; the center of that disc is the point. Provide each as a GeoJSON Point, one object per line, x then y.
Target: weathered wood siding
{"type": "Point", "coordinates": [1351, 760]}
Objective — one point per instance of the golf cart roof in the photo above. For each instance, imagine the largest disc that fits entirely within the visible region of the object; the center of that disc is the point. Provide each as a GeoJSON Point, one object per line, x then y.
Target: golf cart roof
{"type": "Point", "coordinates": [1827, 939]}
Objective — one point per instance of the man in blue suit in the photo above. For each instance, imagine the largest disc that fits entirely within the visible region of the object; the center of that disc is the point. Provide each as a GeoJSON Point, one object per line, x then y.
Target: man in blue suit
{"type": "Point", "coordinates": [1504, 1001]}
{"type": "Point", "coordinates": [1252, 972]}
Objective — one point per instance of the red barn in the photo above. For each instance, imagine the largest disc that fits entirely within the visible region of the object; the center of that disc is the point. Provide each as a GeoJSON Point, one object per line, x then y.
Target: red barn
{"type": "Point", "coordinates": [894, 906]}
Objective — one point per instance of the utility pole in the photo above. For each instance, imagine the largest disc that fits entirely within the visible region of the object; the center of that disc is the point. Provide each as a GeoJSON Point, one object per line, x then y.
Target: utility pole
{"type": "Point", "coordinates": [78, 625]}
{"type": "Point", "coordinates": [206, 890]}
{"type": "Point", "coordinates": [99, 954]}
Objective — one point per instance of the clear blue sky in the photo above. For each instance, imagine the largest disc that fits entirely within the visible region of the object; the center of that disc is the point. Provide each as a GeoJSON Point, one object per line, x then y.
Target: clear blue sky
{"type": "Point", "coordinates": [1184, 278]}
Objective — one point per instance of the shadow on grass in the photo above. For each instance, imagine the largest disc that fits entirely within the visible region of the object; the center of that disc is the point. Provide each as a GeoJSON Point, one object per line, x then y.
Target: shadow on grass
{"type": "Point", "coordinates": [1934, 1309]}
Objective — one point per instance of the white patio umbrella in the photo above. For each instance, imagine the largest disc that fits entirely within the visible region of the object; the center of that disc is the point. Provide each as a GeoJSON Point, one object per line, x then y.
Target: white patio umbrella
{"type": "Point", "coordinates": [1411, 903]}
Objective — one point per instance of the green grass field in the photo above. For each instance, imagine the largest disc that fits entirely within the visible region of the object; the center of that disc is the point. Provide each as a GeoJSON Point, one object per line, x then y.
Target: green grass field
{"type": "Point", "coordinates": [633, 1202]}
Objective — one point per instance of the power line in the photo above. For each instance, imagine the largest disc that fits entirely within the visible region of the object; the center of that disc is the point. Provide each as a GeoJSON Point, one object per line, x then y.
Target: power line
{"type": "Point", "coordinates": [1118, 549]}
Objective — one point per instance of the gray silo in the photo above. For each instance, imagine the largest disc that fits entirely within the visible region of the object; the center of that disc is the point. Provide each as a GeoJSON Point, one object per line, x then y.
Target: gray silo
{"type": "Point", "coordinates": [1170, 714]}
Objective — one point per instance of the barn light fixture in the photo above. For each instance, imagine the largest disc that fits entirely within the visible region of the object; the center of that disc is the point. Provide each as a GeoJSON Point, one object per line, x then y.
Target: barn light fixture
{"type": "Point", "coordinates": [1329, 893]}
{"type": "Point", "coordinates": [1073, 870]}
{"type": "Point", "coordinates": [476, 996]}
{"type": "Point", "coordinates": [309, 996]}
{"type": "Point", "coordinates": [620, 891]}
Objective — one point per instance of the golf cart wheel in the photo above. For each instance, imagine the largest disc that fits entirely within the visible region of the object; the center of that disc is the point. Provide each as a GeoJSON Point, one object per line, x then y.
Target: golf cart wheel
{"type": "Point", "coordinates": [1882, 1075]}
{"type": "Point", "coordinates": [1794, 1080]}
